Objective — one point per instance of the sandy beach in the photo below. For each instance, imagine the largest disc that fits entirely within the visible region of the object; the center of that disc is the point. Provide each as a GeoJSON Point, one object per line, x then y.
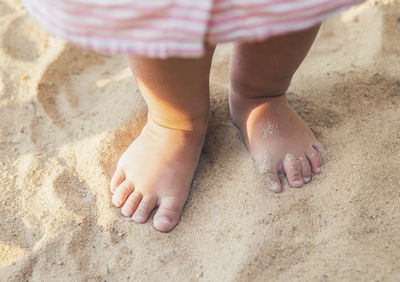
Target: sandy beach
{"type": "Point", "coordinates": [66, 115]}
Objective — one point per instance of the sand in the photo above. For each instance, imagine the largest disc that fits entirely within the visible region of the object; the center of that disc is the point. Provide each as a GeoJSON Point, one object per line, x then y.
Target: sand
{"type": "Point", "coordinates": [67, 115]}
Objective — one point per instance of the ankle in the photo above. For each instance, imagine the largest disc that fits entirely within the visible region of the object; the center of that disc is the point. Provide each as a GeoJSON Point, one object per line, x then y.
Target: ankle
{"type": "Point", "coordinates": [242, 106]}
{"type": "Point", "coordinates": [240, 103]}
{"type": "Point", "coordinates": [235, 95]}
{"type": "Point", "coordinates": [195, 125]}
{"type": "Point", "coordinates": [247, 89]}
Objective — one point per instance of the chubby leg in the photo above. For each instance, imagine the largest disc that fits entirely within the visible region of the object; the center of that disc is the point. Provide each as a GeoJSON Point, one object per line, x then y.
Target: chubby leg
{"type": "Point", "coordinates": [274, 134]}
{"type": "Point", "coordinates": [157, 168]}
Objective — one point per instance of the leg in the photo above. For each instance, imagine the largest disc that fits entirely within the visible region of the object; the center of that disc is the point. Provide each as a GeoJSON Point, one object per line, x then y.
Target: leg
{"type": "Point", "coordinates": [158, 167]}
{"type": "Point", "coordinates": [274, 134]}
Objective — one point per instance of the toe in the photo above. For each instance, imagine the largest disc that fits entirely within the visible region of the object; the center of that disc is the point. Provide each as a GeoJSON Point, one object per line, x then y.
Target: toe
{"type": "Point", "coordinates": [292, 169]}
{"type": "Point", "coordinates": [305, 169]}
{"type": "Point", "coordinates": [144, 209]}
{"type": "Point", "coordinates": [122, 192]}
{"type": "Point", "coordinates": [275, 183]}
{"type": "Point", "coordinates": [315, 160]}
{"type": "Point", "coordinates": [117, 179]}
{"type": "Point", "coordinates": [131, 204]}
{"type": "Point", "coordinates": [168, 214]}
{"type": "Point", "coordinates": [319, 147]}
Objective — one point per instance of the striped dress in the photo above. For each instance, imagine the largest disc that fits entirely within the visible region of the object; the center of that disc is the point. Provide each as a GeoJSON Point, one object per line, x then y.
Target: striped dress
{"type": "Point", "coordinates": [166, 28]}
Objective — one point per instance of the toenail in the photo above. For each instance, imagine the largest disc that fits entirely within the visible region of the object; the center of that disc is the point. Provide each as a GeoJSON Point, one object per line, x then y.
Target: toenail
{"type": "Point", "coordinates": [275, 187]}
{"type": "Point", "coordinates": [307, 179]}
{"type": "Point", "coordinates": [137, 218]}
{"type": "Point", "coordinates": [318, 170]}
{"type": "Point", "coordinates": [163, 220]}
{"type": "Point", "coordinates": [297, 183]}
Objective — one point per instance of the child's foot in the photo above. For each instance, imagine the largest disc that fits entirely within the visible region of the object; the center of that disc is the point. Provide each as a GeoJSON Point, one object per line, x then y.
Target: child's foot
{"type": "Point", "coordinates": [156, 171]}
{"type": "Point", "coordinates": [277, 138]}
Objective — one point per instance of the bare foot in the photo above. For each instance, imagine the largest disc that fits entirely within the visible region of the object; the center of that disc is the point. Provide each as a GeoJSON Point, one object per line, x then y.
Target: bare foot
{"type": "Point", "coordinates": [277, 138]}
{"type": "Point", "coordinates": [156, 171]}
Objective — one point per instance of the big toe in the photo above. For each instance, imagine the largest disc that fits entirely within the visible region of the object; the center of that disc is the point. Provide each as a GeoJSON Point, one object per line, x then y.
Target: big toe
{"type": "Point", "coordinates": [168, 214]}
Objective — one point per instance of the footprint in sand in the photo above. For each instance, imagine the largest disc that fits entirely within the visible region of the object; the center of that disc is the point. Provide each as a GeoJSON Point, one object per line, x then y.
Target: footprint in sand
{"type": "Point", "coordinates": [24, 40]}
{"type": "Point", "coordinates": [19, 239]}
{"type": "Point", "coordinates": [82, 93]}
{"type": "Point", "coordinates": [15, 231]}
{"type": "Point", "coordinates": [83, 83]}
{"type": "Point", "coordinates": [56, 92]}
{"type": "Point", "coordinates": [6, 86]}
{"type": "Point", "coordinates": [78, 198]}
{"type": "Point", "coordinates": [5, 9]}
{"type": "Point", "coordinates": [75, 194]}
{"type": "Point", "coordinates": [2, 85]}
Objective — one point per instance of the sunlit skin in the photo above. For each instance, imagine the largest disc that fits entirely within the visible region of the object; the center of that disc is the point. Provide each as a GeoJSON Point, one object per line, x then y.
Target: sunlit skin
{"type": "Point", "coordinates": [156, 170]}
{"type": "Point", "coordinates": [291, 149]}
{"type": "Point", "coordinates": [260, 76]}
{"type": "Point", "coordinates": [158, 167]}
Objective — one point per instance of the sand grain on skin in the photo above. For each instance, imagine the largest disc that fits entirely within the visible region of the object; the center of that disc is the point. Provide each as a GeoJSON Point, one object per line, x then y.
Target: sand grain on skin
{"type": "Point", "coordinates": [270, 129]}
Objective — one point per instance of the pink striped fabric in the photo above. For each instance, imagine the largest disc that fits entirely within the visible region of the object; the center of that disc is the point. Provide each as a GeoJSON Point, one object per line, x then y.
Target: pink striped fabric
{"type": "Point", "coordinates": [175, 28]}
